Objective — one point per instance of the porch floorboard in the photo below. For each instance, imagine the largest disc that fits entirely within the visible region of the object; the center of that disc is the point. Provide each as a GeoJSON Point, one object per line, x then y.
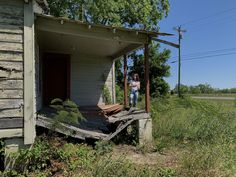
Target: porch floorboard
{"type": "Point", "coordinates": [95, 125]}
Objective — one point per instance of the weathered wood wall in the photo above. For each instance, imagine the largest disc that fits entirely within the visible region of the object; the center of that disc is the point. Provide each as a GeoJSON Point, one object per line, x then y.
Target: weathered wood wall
{"type": "Point", "coordinates": [88, 76]}
{"type": "Point", "coordinates": [11, 64]}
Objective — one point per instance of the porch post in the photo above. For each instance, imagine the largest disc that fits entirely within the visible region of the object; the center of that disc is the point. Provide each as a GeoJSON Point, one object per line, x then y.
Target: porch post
{"type": "Point", "coordinates": [147, 81]}
{"type": "Point", "coordinates": [125, 82]}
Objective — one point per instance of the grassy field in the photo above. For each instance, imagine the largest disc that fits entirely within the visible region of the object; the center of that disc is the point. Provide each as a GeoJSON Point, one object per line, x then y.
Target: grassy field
{"type": "Point", "coordinates": [192, 138]}
{"type": "Point", "coordinates": [233, 95]}
{"type": "Point", "coordinates": [203, 131]}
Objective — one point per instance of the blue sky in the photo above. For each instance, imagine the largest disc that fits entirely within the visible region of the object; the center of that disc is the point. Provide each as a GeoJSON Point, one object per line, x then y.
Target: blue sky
{"type": "Point", "coordinates": [216, 32]}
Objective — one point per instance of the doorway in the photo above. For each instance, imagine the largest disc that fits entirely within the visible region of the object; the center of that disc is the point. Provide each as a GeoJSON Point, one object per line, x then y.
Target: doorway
{"type": "Point", "coordinates": [56, 77]}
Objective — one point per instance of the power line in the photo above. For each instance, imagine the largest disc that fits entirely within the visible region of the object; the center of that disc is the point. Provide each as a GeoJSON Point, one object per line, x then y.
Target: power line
{"type": "Point", "coordinates": [200, 58]}
{"type": "Point", "coordinates": [209, 24]}
{"type": "Point", "coordinates": [207, 17]}
{"type": "Point", "coordinates": [198, 54]}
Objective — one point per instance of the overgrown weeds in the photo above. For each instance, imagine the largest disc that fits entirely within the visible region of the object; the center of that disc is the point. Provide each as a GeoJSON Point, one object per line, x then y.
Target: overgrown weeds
{"type": "Point", "coordinates": [52, 158]}
{"type": "Point", "coordinates": [205, 131]}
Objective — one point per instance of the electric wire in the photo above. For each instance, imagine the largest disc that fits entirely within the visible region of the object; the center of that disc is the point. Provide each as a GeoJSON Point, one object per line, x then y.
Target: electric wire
{"type": "Point", "coordinates": [201, 58]}
{"type": "Point", "coordinates": [208, 17]}
{"type": "Point", "coordinates": [197, 54]}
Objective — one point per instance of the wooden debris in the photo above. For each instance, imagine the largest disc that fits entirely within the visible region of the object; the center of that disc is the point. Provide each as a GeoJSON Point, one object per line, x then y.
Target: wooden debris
{"type": "Point", "coordinates": [111, 109]}
{"type": "Point", "coordinates": [119, 129]}
{"type": "Point", "coordinates": [128, 116]}
{"type": "Point", "coordinates": [69, 130]}
{"type": "Point", "coordinates": [91, 128]}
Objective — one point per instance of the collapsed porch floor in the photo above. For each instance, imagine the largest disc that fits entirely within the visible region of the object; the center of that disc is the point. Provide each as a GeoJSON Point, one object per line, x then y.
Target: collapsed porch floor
{"type": "Point", "coordinates": [96, 125]}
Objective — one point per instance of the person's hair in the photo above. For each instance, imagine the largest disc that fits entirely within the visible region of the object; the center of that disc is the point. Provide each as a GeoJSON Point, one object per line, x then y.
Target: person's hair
{"type": "Point", "coordinates": [137, 76]}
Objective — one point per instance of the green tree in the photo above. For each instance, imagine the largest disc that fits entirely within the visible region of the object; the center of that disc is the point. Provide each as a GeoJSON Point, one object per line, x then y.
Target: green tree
{"type": "Point", "coordinates": [194, 90]}
{"type": "Point", "coordinates": [183, 89]}
{"type": "Point", "coordinates": [129, 13]}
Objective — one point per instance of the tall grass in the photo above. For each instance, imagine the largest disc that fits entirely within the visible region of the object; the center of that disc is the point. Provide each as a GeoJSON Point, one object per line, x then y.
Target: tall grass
{"type": "Point", "coordinates": [205, 131]}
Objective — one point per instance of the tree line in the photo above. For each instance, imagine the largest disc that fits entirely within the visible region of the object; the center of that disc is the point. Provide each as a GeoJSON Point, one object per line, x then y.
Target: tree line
{"type": "Point", "coordinates": [202, 89]}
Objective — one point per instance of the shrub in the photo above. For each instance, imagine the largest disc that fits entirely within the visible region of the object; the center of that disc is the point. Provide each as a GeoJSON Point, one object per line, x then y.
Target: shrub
{"type": "Point", "coordinates": [103, 147]}
{"type": "Point", "coordinates": [67, 111]}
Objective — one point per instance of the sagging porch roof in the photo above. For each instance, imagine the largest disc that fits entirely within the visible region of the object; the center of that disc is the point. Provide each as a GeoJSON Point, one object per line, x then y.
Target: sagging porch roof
{"type": "Point", "coordinates": [89, 39]}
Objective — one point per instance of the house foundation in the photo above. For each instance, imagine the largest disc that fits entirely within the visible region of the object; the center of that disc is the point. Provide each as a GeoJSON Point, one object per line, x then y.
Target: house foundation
{"type": "Point", "coordinates": [145, 131]}
{"type": "Point", "coordinates": [12, 146]}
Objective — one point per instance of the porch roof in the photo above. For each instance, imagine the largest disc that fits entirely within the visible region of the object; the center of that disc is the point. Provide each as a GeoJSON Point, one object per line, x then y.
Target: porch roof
{"type": "Point", "coordinates": [99, 40]}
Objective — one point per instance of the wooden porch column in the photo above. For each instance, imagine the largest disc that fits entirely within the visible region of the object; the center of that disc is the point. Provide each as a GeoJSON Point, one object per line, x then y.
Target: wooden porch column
{"type": "Point", "coordinates": [125, 82]}
{"type": "Point", "coordinates": [147, 81]}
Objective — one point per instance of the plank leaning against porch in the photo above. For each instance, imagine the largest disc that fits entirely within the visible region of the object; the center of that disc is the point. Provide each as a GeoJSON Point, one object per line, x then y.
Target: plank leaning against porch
{"type": "Point", "coordinates": [11, 68]}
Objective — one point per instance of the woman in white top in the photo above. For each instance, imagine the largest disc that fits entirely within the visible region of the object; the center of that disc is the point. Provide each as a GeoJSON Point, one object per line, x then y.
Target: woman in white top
{"type": "Point", "coordinates": [135, 86]}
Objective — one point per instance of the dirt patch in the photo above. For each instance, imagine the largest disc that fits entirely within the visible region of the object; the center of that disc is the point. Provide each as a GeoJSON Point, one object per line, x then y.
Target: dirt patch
{"type": "Point", "coordinates": [168, 158]}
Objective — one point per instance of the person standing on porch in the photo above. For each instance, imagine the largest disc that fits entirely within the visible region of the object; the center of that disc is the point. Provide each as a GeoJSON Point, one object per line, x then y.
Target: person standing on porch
{"type": "Point", "coordinates": [134, 86]}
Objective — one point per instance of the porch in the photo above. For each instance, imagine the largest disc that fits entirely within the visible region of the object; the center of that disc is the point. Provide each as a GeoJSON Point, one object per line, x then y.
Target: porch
{"type": "Point", "coordinates": [96, 124]}
{"type": "Point", "coordinates": [75, 60]}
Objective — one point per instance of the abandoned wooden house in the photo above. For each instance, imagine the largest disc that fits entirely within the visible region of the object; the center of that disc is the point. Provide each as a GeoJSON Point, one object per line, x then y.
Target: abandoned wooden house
{"type": "Point", "coordinates": [43, 57]}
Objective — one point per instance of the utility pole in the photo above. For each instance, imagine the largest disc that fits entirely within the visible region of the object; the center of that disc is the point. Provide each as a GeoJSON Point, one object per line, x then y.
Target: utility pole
{"type": "Point", "coordinates": [180, 32]}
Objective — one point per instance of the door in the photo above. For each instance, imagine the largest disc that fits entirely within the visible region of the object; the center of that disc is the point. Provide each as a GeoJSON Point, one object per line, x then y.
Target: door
{"type": "Point", "coordinates": [56, 77]}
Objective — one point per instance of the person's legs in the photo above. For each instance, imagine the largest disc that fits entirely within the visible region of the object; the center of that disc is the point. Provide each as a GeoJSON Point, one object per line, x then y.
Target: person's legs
{"type": "Point", "coordinates": [135, 98]}
{"type": "Point", "coordinates": [131, 97]}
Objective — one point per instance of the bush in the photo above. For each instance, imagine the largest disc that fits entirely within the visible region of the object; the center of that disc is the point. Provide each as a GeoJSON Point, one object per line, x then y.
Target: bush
{"type": "Point", "coordinates": [67, 111]}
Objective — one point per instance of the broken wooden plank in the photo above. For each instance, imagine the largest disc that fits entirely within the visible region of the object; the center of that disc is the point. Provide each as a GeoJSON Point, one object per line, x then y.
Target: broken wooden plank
{"type": "Point", "coordinates": [18, 112]}
{"type": "Point", "coordinates": [69, 130]}
{"type": "Point", "coordinates": [11, 75]}
{"type": "Point", "coordinates": [11, 66]}
{"type": "Point", "coordinates": [11, 93]}
{"type": "Point", "coordinates": [138, 116]}
{"type": "Point", "coordinates": [107, 107]}
{"type": "Point", "coordinates": [6, 123]}
{"type": "Point", "coordinates": [11, 70]}
{"type": "Point", "coordinates": [11, 56]}
{"type": "Point", "coordinates": [11, 84]}
{"type": "Point", "coordinates": [111, 109]}
{"type": "Point", "coordinates": [10, 103]}
{"type": "Point", "coordinates": [120, 128]}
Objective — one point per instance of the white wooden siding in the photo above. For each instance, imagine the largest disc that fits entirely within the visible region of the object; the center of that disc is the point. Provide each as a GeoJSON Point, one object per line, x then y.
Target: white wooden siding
{"type": "Point", "coordinates": [11, 65]}
{"type": "Point", "coordinates": [88, 76]}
